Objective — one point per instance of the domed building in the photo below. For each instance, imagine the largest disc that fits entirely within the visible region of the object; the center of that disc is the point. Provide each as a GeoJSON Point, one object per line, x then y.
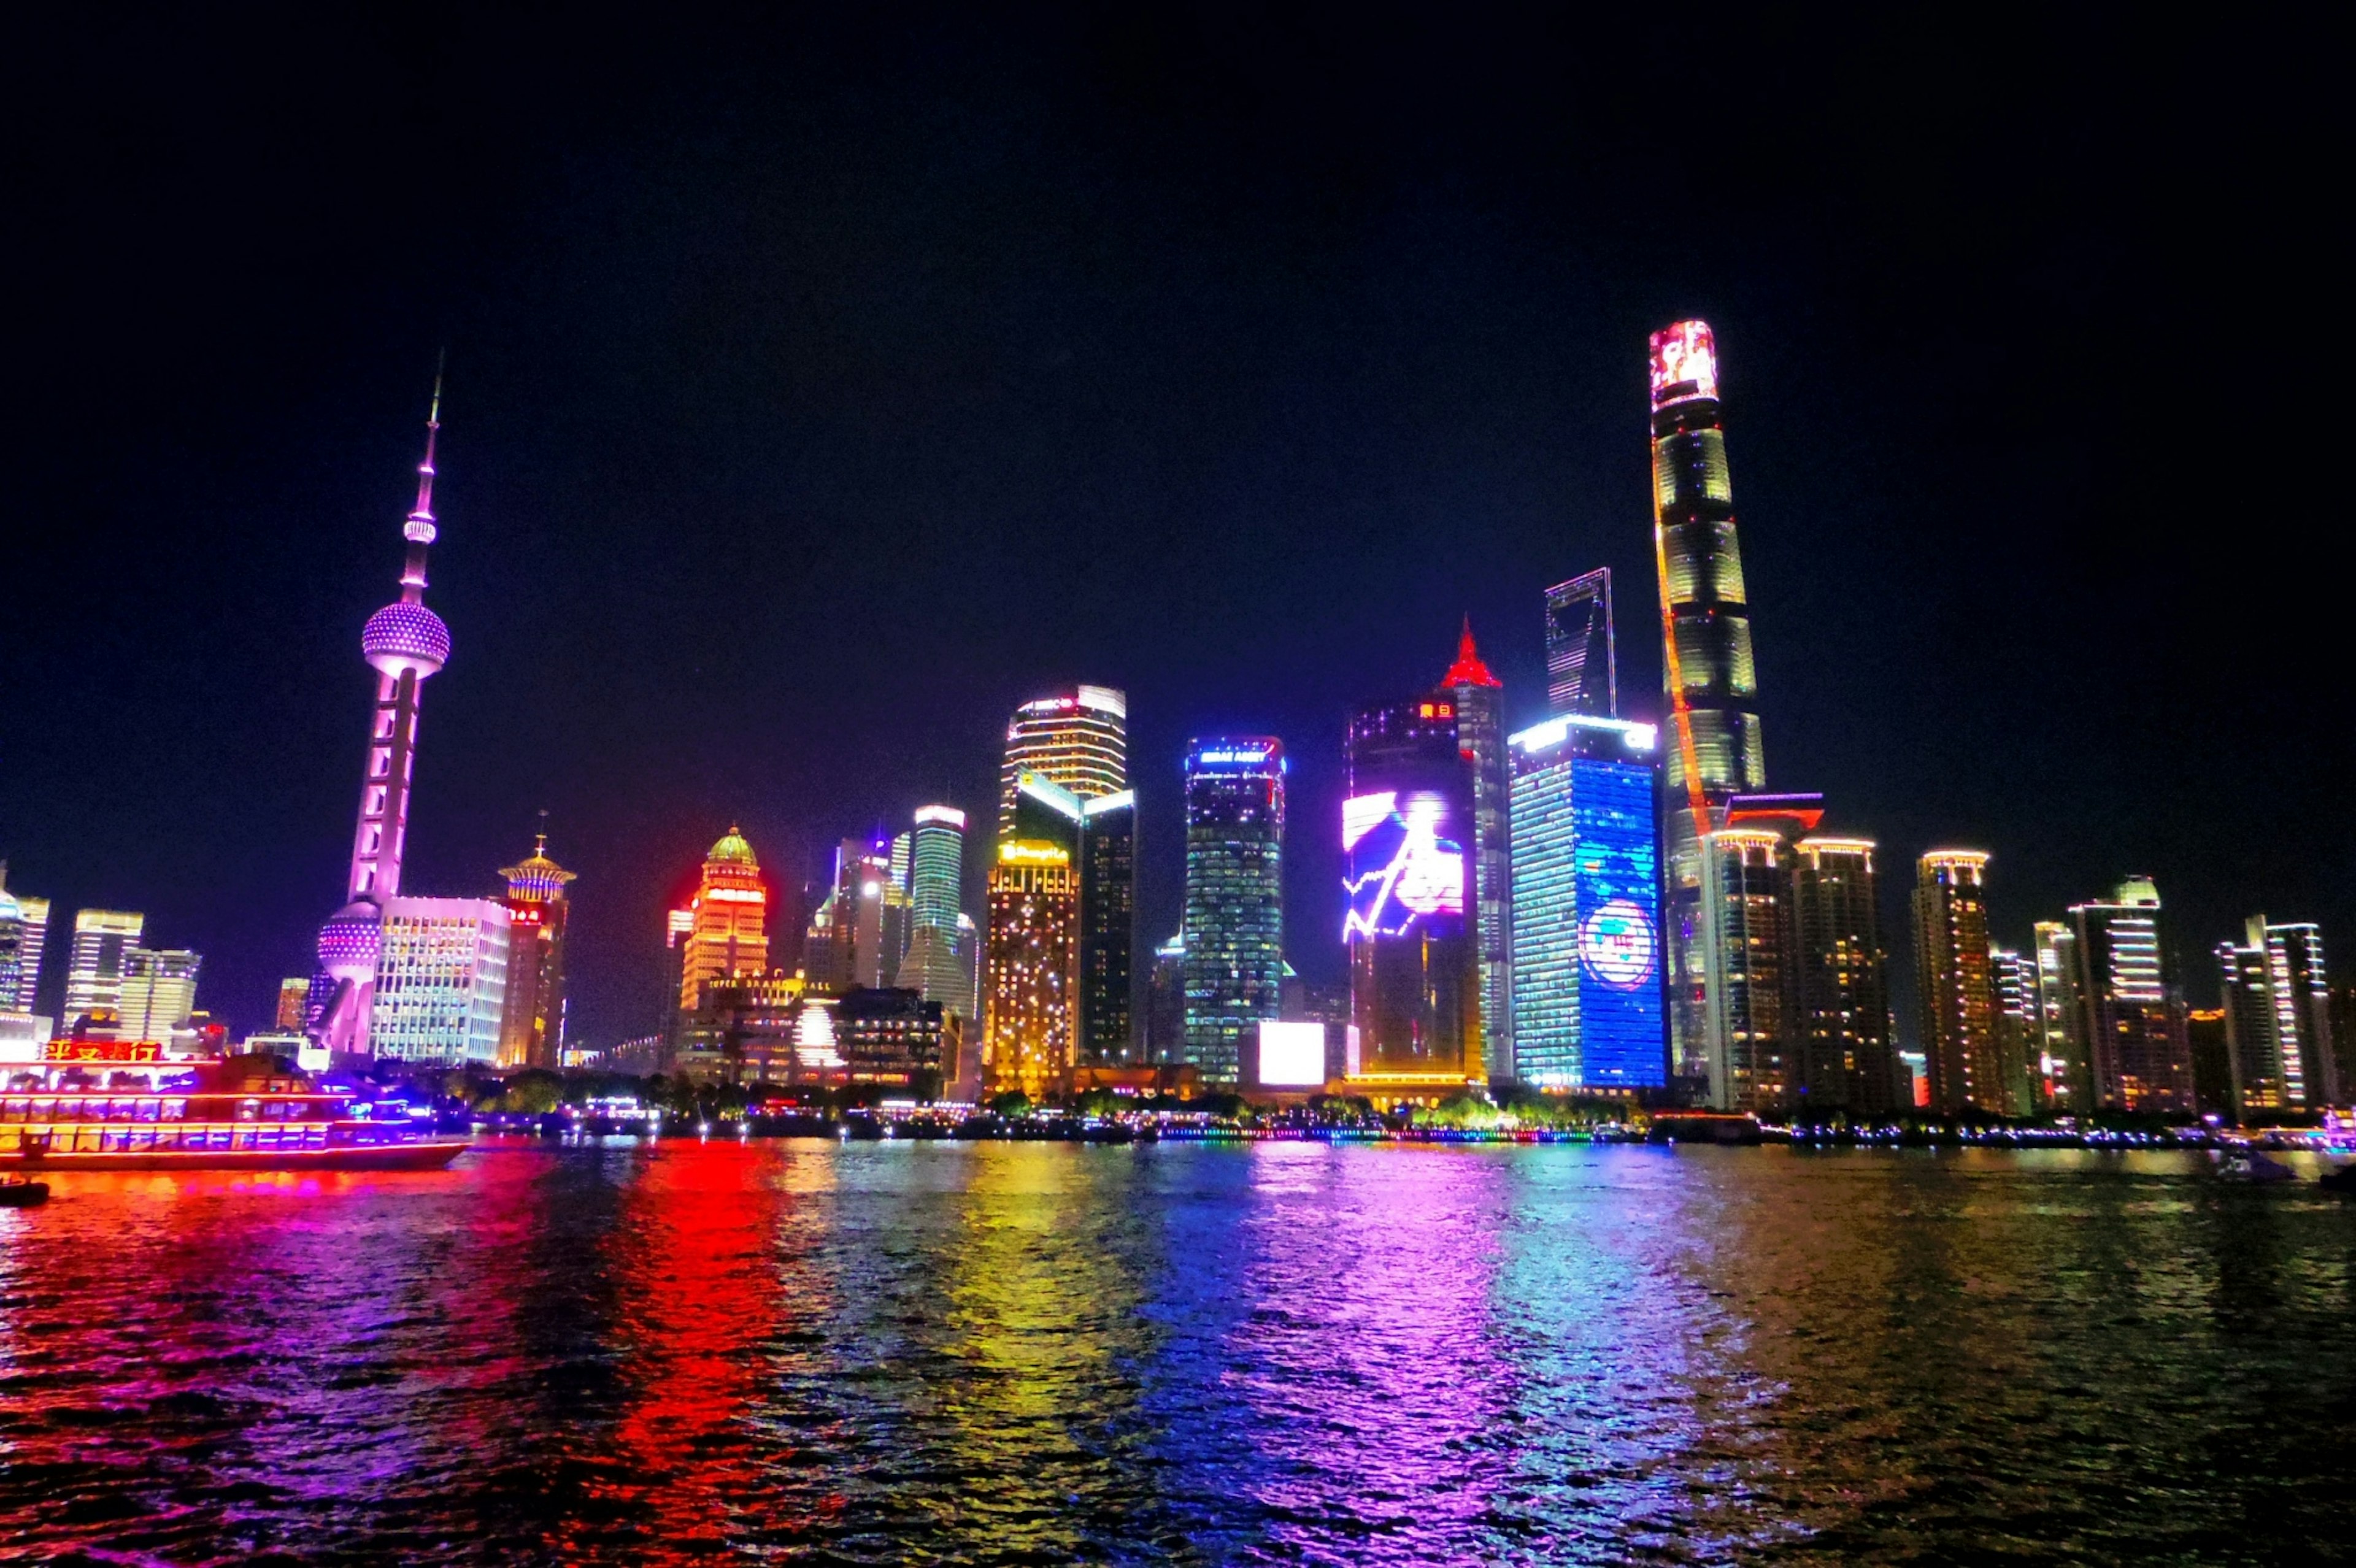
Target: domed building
{"type": "Point", "coordinates": [727, 921]}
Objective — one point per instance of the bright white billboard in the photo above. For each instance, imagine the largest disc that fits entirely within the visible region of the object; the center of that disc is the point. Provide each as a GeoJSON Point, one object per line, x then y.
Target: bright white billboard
{"type": "Point", "coordinates": [1292, 1055]}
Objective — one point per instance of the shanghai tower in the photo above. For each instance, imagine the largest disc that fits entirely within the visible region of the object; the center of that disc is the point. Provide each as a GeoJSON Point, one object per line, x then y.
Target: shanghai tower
{"type": "Point", "coordinates": [404, 642]}
{"type": "Point", "coordinates": [1712, 686]}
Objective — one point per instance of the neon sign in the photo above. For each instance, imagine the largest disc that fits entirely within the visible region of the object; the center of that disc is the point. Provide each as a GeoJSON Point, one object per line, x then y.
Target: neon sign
{"type": "Point", "coordinates": [1401, 870]}
{"type": "Point", "coordinates": [1684, 363]}
{"type": "Point", "coordinates": [103, 1052]}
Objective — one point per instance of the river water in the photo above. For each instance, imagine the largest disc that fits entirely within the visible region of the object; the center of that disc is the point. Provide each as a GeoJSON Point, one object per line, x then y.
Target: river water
{"type": "Point", "coordinates": [1030, 1353]}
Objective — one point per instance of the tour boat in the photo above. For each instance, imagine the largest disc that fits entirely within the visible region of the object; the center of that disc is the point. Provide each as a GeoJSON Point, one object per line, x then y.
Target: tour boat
{"type": "Point", "coordinates": [277, 1122]}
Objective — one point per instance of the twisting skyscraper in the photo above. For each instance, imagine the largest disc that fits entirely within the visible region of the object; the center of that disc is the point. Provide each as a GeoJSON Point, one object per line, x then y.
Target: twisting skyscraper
{"type": "Point", "coordinates": [404, 642]}
{"type": "Point", "coordinates": [1716, 750]}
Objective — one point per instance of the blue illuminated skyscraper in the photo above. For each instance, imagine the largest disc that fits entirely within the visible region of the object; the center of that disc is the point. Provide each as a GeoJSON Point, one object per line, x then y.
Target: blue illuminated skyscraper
{"type": "Point", "coordinates": [1586, 907]}
{"type": "Point", "coordinates": [1234, 930]}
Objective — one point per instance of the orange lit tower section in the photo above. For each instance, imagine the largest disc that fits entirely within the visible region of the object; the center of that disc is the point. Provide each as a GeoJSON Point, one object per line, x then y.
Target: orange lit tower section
{"type": "Point", "coordinates": [729, 914]}
{"type": "Point", "coordinates": [1712, 684]}
{"type": "Point", "coordinates": [531, 1031]}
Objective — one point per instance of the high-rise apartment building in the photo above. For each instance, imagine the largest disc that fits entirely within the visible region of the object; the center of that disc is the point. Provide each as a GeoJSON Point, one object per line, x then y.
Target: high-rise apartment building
{"type": "Point", "coordinates": [1957, 996]}
{"type": "Point", "coordinates": [2139, 1056]}
{"type": "Point", "coordinates": [159, 992]}
{"type": "Point", "coordinates": [1410, 882]}
{"type": "Point", "coordinates": [102, 939]}
{"type": "Point", "coordinates": [1108, 927]}
{"type": "Point", "coordinates": [1583, 667]}
{"type": "Point", "coordinates": [405, 644]}
{"type": "Point", "coordinates": [533, 1021]}
{"type": "Point", "coordinates": [293, 1005]}
{"type": "Point", "coordinates": [24, 933]}
{"type": "Point", "coordinates": [1746, 1019]}
{"type": "Point", "coordinates": [1029, 1004]}
{"type": "Point", "coordinates": [1232, 938]}
{"type": "Point", "coordinates": [1715, 749]}
{"type": "Point", "coordinates": [1481, 736]}
{"type": "Point", "coordinates": [2067, 1085]}
{"type": "Point", "coordinates": [1842, 1057]}
{"type": "Point", "coordinates": [441, 986]}
{"type": "Point", "coordinates": [2019, 1030]}
{"type": "Point", "coordinates": [2277, 1021]}
{"type": "Point", "coordinates": [728, 930]}
{"type": "Point", "coordinates": [1586, 907]}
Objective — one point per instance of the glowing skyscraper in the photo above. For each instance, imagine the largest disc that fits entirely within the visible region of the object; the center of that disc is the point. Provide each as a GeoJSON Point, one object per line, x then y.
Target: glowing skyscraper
{"type": "Point", "coordinates": [1078, 739]}
{"type": "Point", "coordinates": [102, 941]}
{"type": "Point", "coordinates": [1030, 1011]}
{"type": "Point", "coordinates": [1956, 987]}
{"type": "Point", "coordinates": [1481, 735]}
{"type": "Point", "coordinates": [1233, 936]}
{"type": "Point", "coordinates": [159, 992]}
{"type": "Point", "coordinates": [531, 1033]}
{"type": "Point", "coordinates": [2139, 1056]}
{"type": "Point", "coordinates": [1715, 750]}
{"type": "Point", "coordinates": [1582, 665]}
{"type": "Point", "coordinates": [728, 925]}
{"type": "Point", "coordinates": [24, 933]}
{"type": "Point", "coordinates": [404, 642]}
{"type": "Point", "coordinates": [933, 967]}
{"type": "Point", "coordinates": [2277, 1022]}
{"type": "Point", "coordinates": [1843, 1056]}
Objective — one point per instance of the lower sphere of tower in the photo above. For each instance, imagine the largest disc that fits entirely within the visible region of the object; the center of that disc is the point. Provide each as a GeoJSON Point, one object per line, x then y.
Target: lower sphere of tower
{"type": "Point", "coordinates": [404, 636]}
{"type": "Point", "coordinates": [351, 941]}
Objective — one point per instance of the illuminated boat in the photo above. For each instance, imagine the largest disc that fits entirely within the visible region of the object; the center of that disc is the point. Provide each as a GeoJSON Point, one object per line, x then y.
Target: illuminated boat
{"type": "Point", "coordinates": [220, 1116]}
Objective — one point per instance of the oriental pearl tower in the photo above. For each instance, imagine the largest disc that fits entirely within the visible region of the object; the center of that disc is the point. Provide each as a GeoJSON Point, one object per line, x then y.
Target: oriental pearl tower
{"type": "Point", "coordinates": [404, 642]}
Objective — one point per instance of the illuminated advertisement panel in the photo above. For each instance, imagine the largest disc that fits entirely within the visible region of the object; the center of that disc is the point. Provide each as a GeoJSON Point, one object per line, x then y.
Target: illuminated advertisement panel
{"type": "Point", "coordinates": [1684, 363]}
{"type": "Point", "coordinates": [104, 1052]}
{"type": "Point", "coordinates": [1292, 1055]}
{"type": "Point", "coordinates": [1615, 882]}
{"type": "Point", "coordinates": [1406, 865]}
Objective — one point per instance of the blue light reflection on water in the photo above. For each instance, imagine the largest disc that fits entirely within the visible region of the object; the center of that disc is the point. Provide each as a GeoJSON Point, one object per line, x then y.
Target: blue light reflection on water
{"type": "Point", "coordinates": [1277, 1352]}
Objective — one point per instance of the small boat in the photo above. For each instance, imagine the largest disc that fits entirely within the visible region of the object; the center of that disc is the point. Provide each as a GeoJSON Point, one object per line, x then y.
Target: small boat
{"type": "Point", "coordinates": [2249, 1165]}
{"type": "Point", "coordinates": [16, 1192]}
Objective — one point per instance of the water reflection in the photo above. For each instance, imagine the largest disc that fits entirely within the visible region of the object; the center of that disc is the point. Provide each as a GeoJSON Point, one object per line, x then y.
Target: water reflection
{"type": "Point", "coordinates": [1040, 1353]}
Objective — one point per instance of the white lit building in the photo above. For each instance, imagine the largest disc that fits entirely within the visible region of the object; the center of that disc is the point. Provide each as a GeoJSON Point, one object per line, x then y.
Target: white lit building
{"type": "Point", "coordinates": [441, 981]}
{"type": "Point", "coordinates": [159, 992]}
{"type": "Point", "coordinates": [94, 970]}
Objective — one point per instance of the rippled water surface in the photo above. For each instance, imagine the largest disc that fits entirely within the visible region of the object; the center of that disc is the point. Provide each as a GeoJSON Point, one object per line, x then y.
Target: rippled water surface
{"type": "Point", "coordinates": [1039, 1353]}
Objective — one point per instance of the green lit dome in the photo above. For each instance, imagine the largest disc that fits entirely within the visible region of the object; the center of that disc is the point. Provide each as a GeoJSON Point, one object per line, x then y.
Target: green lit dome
{"type": "Point", "coordinates": [733, 847]}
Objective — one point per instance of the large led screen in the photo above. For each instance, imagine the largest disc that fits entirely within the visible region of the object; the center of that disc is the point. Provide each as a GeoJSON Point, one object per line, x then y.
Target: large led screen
{"type": "Point", "coordinates": [1684, 355]}
{"type": "Point", "coordinates": [1292, 1055]}
{"type": "Point", "coordinates": [1614, 877]}
{"type": "Point", "coordinates": [1406, 865]}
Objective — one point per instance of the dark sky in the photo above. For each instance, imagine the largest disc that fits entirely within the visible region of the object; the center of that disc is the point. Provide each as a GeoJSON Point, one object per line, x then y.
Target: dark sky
{"type": "Point", "coordinates": [816, 396]}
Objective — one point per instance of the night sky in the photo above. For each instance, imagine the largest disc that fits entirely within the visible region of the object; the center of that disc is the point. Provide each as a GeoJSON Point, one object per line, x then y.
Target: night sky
{"type": "Point", "coordinates": [815, 397]}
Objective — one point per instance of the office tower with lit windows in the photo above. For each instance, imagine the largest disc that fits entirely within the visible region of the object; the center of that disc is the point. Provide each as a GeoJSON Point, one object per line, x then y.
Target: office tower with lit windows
{"type": "Point", "coordinates": [1032, 974]}
{"type": "Point", "coordinates": [2277, 1024]}
{"type": "Point", "coordinates": [1165, 1003]}
{"type": "Point", "coordinates": [532, 1021]}
{"type": "Point", "coordinates": [1108, 927]}
{"type": "Point", "coordinates": [293, 1005]}
{"type": "Point", "coordinates": [934, 968]}
{"type": "Point", "coordinates": [24, 933]}
{"type": "Point", "coordinates": [405, 644]}
{"type": "Point", "coordinates": [1410, 891]}
{"type": "Point", "coordinates": [727, 925]}
{"type": "Point", "coordinates": [1078, 739]}
{"type": "Point", "coordinates": [159, 992]}
{"type": "Point", "coordinates": [1481, 735]}
{"type": "Point", "coordinates": [1714, 748]}
{"type": "Point", "coordinates": [1957, 996]}
{"type": "Point", "coordinates": [2065, 1083]}
{"type": "Point", "coordinates": [102, 939]}
{"type": "Point", "coordinates": [1747, 1030]}
{"type": "Point", "coordinates": [442, 982]}
{"type": "Point", "coordinates": [1583, 666]}
{"type": "Point", "coordinates": [1842, 1057]}
{"type": "Point", "coordinates": [1585, 909]}
{"type": "Point", "coordinates": [2139, 1056]}
{"type": "Point", "coordinates": [679, 924]}
{"type": "Point", "coordinates": [2012, 981]}
{"type": "Point", "coordinates": [1233, 931]}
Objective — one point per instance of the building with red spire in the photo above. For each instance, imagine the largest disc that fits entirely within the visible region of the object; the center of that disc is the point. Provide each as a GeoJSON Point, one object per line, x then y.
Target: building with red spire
{"type": "Point", "coordinates": [1479, 699]}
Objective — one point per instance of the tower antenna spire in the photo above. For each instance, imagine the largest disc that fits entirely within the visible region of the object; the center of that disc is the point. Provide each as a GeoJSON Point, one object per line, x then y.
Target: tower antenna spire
{"type": "Point", "coordinates": [421, 516]}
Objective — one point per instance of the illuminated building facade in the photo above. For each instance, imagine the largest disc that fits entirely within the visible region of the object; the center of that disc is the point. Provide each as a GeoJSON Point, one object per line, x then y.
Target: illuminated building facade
{"type": "Point", "coordinates": [1747, 1026]}
{"type": "Point", "coordinates": [2012, 981]}
{"type": "Point", "coordinates": [934, 965]}
{"type": "Point", "coordinates": [679, 924]}
{"type": "Point", "coordinates": [1410, 889]}
{"type": "Point", "coordinates": [2278, 1020]}
{"type": "Point", "coordinates": [1583, 666]}
{"type": "Point", "coordinates": [1586, 907]}
{"type": "Point", "coordinates": [1165, 1003]}
{"type": "Point", "coordinates": [405, 644]}
{"type": "Point", "coordinates": [1957, 999]}
{"type": "Point", "coordinates": [441, 986]}
{"type": "Point", "coordinates": [1481, 735]}
{"type": "Point", "coordinates": [1031, 976]}
{"type": "Point", "coordinates": [1107, 927]}
{"type": "Point", "coordinates": [159, 992]}
{"type": "Point", "coordinates": [23, 934]}
{"type": "Point", "coordinates": [293, 1005]}
{"type": "Point", "coordinates": [1842, 1057]}
{"type": "Point", "coordinates": [1716, 748]}
{"type": "Point", "coordinates": [533, 1028]}
{"type": "Point", "coordinates": [1078, 739]}
{"type": "Point", "coordinates": [728, 933]}
{"type": "Point", "coordinates": [1232, 938]}
{"type": "Point", "coordinates": [2138, 1054]}
{"type": "Point", "coordinates": [94, 967]}
{"type": "Point", "coordinates": [2066, 1086]}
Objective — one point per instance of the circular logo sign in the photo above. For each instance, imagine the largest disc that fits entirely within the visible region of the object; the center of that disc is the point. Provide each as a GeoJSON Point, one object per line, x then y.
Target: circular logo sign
{"type": "Point", "coordinates": [1616, 944]}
